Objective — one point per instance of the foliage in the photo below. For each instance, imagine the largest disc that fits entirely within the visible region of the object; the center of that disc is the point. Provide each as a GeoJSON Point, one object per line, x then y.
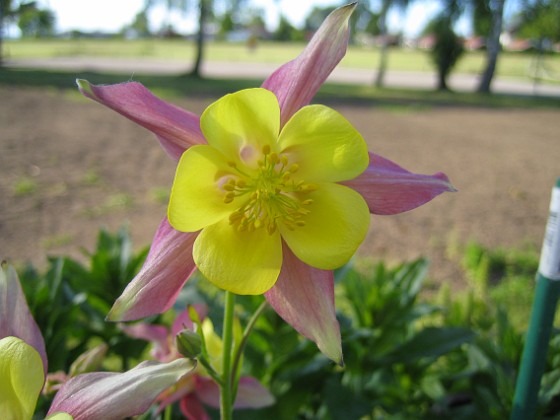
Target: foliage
{"type": "Point", "coordinates": [482, 17]}
{"type": "Point", "coordinates": [541, 20]}
{"type": "Point", "coordinates": [70, 301]}
{"type": "Point", "coordinates": [36, 22]}
{"type": "Point", "coordinates": [286, 32]}
{"type": "Point", "coordinates": [447, 50]}
{"type": "Point", "coordinates": [140, 25]}
{"type": "Point", "coordinates": [454, 357]}
{"type": "Point", "coordinates": [448, 357]}
{"type": "Point", "coordinates": [31, 19]}
{"type": "Point", "coordinates": [316, 17]}
{"type": "Point", "coordinates": [504, 277]}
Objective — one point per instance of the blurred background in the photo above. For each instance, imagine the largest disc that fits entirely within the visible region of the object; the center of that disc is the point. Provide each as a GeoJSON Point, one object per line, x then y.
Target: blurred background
{"type": "Point", "coordinates": [467, 87]}
{"type": "Point", "coordinates": [448, 28]}
{"type": "Point", "coordinates": [442, 293]}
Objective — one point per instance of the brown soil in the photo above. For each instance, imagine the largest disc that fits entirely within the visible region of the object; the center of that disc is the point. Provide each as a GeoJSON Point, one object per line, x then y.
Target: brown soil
{"type": "Point", "coordinates": [68, 166]}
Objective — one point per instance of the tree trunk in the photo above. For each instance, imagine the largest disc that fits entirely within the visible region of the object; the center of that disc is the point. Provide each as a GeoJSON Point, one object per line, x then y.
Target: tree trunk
{"type": "Point", "coordinates": [442, 80]}
{"type": "Point", "coordinates": [493, 47]}
{"type": "Point", "coordinates": [384, 52]}
{"type": "Point", "coordinates": [2, 5]}
{"type": "Point", "coordinates": [203, 10]}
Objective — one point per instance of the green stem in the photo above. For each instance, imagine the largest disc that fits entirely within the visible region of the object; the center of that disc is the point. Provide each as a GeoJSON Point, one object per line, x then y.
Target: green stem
{"type": "Point", "coordinates": [226, 400]}
{"type": "Point", "coordinates": [239, 352]}
{"type": "Point", "coordinates": [167, 413]}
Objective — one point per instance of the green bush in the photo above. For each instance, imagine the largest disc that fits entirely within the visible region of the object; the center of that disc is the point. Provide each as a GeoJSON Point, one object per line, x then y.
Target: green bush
{"type": "Point", "coordinates": [454, 356]}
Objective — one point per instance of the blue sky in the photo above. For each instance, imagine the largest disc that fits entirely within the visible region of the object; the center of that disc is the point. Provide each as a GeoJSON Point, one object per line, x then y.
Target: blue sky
{"type": "Point", "coordinates": [112, 15]}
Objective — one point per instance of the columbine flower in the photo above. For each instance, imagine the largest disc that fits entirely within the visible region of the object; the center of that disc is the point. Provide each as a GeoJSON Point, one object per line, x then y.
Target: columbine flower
{"type": "Point", "coordinates": [302, 289]}
{"type": "Point", "coordinates": [197, 387]}
{"type": "Point", "coordinates": [253, 187]}
{"type": "Point", "coordinates": [23, 359]}
{"type": "Point", "coordinates": [91, 396]}
{"type": "Point", "coordinates": [115, 395]}
{"type": "Point", "coordinates": [21, 378]}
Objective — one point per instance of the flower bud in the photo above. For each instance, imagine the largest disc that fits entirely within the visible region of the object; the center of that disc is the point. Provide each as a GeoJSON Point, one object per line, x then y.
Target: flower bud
{"type": "Point", "coordinates": [189, 344]}
{"type": "Point", "coordinates": [89, 361]}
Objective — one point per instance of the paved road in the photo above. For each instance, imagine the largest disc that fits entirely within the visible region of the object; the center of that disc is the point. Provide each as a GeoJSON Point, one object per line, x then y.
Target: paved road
{"type": "Point", "coordinates": [458, 82]}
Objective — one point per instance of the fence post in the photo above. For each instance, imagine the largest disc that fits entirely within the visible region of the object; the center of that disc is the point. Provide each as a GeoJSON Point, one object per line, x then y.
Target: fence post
{"type": "Point", "coordinates": [547, 292]}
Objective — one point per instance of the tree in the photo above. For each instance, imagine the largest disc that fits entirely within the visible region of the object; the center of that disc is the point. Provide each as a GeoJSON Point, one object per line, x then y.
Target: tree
{"type": "Point", "coordinates": [447, 50]}
{"type": "Point", "coordinates": [540, 20]}
{"type": "Point", "coordinates": [386, 5]}
{"type": "Point", "coordinates": [181, 5]}
{"type": "Point", "coordinates": [204, 7]}
{"type": "Point", "coordinates": [42, 21]}
{"type": "Point", "coordinates": [316, 17]}
{"type": "Point", "coordinates": [493, 30]}
{"type": "Point", "coordinates": [286, 31]}
{"type": "Point", "coordinates": [481, 17]}
{"type": "Point", "coordinates": [35, 22]}
{"type": "Point", "coordinates": [140, 25]}
{"type": "Point", "coordinates": [5, 9]}
{"type": "Point", "coordinates": [226, 24]}
{"type": "Point", "coordinates": [448, 46]}
{"type": "Point", "coordinates": [205, 12]}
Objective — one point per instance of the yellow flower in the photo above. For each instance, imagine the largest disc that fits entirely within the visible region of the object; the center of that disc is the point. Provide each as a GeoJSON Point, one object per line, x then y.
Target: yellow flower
{"type": "Point", "coordinates": [21, 378]}
{"type": "Point", "coordinates": [256, 185]}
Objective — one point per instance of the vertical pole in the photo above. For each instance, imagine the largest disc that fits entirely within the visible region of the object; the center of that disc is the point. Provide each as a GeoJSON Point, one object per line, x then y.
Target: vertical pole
{"type": "Point", "coordinates": [546, 297]}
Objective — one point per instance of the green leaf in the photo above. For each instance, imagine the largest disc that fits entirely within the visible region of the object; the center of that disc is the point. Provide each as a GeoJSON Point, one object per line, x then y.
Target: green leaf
{"type": "Point", "coordinates": [343, 403]}
{"type": "Point", "coordinates": [431, 342]}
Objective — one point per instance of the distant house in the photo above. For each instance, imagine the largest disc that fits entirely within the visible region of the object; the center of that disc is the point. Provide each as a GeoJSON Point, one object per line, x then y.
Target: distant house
{"type": "Point", "coordinates": [475, 43]}
{"type": "Point", "coordinates": [426, 42]}
{"type": "Point", "coordinates": [510, 43]}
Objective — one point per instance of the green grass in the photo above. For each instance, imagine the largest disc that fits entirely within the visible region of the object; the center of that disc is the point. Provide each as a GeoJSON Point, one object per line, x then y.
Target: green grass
{"type": "Point", "coordinates": [24, 186]}
{"type": "Point", "coordinates": [504, 277]}
{"type": "Point", "coordinates": [172, 87]}
{"type": "Point", "coordinates": [516, 65]}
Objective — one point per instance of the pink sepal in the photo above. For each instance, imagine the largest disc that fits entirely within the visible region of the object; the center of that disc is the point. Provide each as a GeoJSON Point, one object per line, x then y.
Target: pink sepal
{"type": "Point", "coordinates": [156, 334]}
{"type": "Point", "coordinates": [15, 318]}
{"type": "Point", "coordinates": [250, 393]}
{"type": "Point", "coordinates": [175, 128]}
{"type": "Point", "coordinates": [109, 395]}
{"type": "Point", "coordinates": [389, 189]}
{"type": "Point", "coordinates": [192, 409]}
{"type": "Point", "coordinates": [304, 297]}
{"type": "Point", "coordinates": [154, 289]}
{"type": "Point", "coordinates": [296, 82]}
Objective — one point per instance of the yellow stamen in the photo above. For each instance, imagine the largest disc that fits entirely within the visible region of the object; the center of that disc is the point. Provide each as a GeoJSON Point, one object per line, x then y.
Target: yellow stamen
{"type": "Point", "coordinates": [274, 197]}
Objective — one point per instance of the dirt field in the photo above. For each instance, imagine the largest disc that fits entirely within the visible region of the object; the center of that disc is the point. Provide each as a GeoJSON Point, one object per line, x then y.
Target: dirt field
{"type": "Point", "coordinates": [69, 166]}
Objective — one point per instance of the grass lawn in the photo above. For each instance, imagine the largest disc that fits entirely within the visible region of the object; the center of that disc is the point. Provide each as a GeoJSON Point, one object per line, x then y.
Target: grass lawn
{"type": "Point", "coordinates": [169, 86]}
{"type": "Point", "coordinates": [518, 65]}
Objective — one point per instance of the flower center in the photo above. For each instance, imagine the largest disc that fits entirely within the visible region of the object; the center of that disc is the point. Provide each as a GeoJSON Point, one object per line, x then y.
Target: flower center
{"type": "Point", "coordinates": [275, 196]}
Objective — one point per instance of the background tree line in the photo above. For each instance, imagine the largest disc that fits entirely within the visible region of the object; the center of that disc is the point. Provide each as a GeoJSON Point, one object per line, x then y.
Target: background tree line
{"type": "Point", "coordinates": [538, 20]}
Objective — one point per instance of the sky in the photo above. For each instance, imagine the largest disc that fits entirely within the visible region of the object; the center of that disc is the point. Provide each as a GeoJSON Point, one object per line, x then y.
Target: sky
{"type": "Point", "coordinates": [112, 15]}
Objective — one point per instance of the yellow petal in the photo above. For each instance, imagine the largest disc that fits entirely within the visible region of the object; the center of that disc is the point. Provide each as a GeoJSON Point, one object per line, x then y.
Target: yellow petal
{"type": "Point", "coordinates": [245, 263]}
{"type": "Point", "coordinates": [324, 144]}
{"type": "Point", "coordinates": [242, 123]}
{"type": "Point", "coordinates": [336, 225]}
{"type": "Point", "coordinates": [197, 199]}
{"type": "Point", "coordinates": [21, 378]}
